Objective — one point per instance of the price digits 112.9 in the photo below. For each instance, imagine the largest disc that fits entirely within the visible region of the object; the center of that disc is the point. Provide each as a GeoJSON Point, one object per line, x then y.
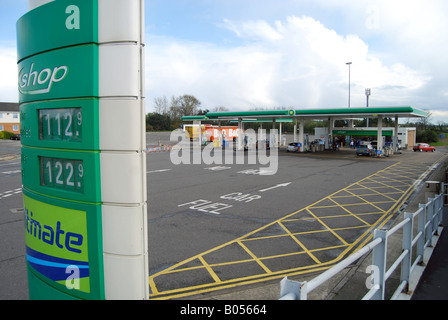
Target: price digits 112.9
{"type": "Point", "coordinates": [60, 124]}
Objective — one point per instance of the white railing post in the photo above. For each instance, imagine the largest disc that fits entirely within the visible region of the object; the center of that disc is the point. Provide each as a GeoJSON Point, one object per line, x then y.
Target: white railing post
{"type": "Point", "coordinates": [438, 212]}
{"type": "Point", "coordinates": [293, 290]}
{"type": "Point", "coordinates": [379, 260]}
{"type": "Point", "coordinates": [434, 224]}
{"type": "Point", "coordinates": [429, 222]}
{"type": "Point", "coordinates": [439, 208]}
{"type": "Point", "coordinates": [444, 212]}
{"type": "Point", "coordinates": [421, 229]}
{"type": "Point", "coordinates": [408, 230]}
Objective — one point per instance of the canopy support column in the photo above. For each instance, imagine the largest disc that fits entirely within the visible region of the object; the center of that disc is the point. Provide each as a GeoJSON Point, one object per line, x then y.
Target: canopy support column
{"type": "Point", "coordinates": [295, 131]}
{"type": "Point", "coordinates": [239, 140]}
{"type": "Point", "coordinates": [380, 134]}
{"type": "Point", "coordinates": [301, 134]}
{"type": "Point", "coordinates": [395, 141]}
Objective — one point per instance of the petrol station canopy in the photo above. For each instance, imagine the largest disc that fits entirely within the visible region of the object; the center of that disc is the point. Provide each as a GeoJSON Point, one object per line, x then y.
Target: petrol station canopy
{"type": "Point", "coordinates": [319, 114]}
{"type": "Point", "coordinates": [315, 114]}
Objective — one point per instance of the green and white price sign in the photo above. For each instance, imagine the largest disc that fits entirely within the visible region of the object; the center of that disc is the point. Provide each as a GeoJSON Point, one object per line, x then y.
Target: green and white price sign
{"type": "Point", "coordinates": [79, 79]}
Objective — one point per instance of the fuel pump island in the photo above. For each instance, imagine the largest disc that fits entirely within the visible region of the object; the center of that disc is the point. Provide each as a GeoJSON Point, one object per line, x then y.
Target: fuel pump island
{"type": "Point", "coordinates": [80, 76]}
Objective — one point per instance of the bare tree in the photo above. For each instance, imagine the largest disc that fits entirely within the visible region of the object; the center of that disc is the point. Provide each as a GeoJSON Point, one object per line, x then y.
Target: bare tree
{"type": "Point", "coordinates": [424, 122]}
{"type": "Point", "coordinates": [178, 107]}
{"type": "Point", "coordinates": [161, 105]}
{"type": "Point", "coordinates": [189, 105]}
{"type": "Point", "coordinates": [175, 111]}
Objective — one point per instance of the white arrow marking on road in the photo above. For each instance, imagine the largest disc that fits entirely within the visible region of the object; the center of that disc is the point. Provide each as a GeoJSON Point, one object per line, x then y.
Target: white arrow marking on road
{"type": "Point", "coordinates": [218, 168]}
{"type": "Point", "coordinates": [10, 193]}
{"type": "Point", "coordinates": [11, 172]}
{"type": "Point", "coordinates": [8, 164]}
{"type": "Point", "coordinates": [163, 170]}
{"type": "Point", "coordinates": [277, 186]}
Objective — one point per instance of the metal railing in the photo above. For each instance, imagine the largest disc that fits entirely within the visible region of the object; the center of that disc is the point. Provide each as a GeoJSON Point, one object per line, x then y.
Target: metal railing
{"type": "Point", "coordinates": [429, 217]}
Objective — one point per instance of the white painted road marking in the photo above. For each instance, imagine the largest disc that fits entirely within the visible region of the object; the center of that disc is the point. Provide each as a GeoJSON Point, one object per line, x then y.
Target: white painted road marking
{"type": "Point", "coordinates": [218, 168]}
{"type": "Point", "coordinates": [206, 206]}
{"type": "Point", "coordinates": [9, 193]}
{"type": "Point", "coordinates": [277, 186]}
{"type": "Point", "coordinates": [162, 170]}
{"type": "Point", "coordinates": [12, 172]}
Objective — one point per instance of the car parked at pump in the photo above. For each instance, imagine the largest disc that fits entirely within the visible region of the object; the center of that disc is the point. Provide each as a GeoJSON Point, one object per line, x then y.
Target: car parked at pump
{"type": "Point", "coordinates": [391, 145]}
{"type": "Point", "coordinates": [365, 148]}
{"type": "Point", "coordinates": [423, 147]}
{"type": "Point", "coordinates": [293, 147]}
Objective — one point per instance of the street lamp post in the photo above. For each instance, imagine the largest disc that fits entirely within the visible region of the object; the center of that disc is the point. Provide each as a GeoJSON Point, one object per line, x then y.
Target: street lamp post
{"type": "Point", "coordinates": [349, 64]}
{"type": "Point", "coordinates": [368, 92]}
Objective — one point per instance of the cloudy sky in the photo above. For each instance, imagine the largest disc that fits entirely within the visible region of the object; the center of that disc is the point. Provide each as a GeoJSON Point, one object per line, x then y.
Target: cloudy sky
{"type": "Point", "coordinates": [249, 54]}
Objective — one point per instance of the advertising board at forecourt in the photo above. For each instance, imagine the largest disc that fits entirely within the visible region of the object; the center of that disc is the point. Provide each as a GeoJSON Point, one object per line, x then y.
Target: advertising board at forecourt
{"type": "Point", "coordinates": [80, 80]}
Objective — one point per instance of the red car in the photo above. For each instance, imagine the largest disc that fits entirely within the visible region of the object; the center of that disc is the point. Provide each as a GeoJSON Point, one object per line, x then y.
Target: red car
{"type": "Point", "coordinates": [423, 147]}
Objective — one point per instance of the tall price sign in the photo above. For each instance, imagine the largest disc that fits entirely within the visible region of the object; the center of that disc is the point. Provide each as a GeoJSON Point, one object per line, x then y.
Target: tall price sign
{"type": "Point", "coordinates": [80, 81]}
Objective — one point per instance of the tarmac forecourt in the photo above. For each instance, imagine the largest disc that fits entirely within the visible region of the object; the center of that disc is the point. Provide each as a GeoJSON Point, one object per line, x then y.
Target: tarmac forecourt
{"type": "Point", "coordinates": [309, 240]}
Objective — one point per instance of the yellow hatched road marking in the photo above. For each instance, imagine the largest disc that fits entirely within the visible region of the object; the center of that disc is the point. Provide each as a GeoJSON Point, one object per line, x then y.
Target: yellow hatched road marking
{"type": "Point", "coordinates": [327, 227]}
{"type": "Point", "coordinates": [266, 269]}
{"type": "Point", "coordinates": [372, 203]}
{"type": "Point", "coordinates": [299, 243]}
{"type": "Point", "coordinates": [210, 270]}
{"type": "Point", "coordinates": [350, 213]}
{"type": "Point", "coordinates": [361, 240]}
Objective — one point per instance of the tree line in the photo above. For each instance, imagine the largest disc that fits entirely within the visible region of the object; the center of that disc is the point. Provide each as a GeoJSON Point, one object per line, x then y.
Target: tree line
{"type": "Point", "coordinates": [169, 112]}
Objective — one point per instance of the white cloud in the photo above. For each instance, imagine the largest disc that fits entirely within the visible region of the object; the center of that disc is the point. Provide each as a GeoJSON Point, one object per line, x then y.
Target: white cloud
{"type": "Point", "coordinates": [254, 30]}
{"type": "Point", "coordinates": [217, 76]}
{"type": "Point", "coordinates": [403, 32]}
{"type": "Point", "coordinates": [297, 62]}
{"type": "Point", "coordinates": [8, 77]}
{"type": "Point", "coordinates": [438, 116]}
